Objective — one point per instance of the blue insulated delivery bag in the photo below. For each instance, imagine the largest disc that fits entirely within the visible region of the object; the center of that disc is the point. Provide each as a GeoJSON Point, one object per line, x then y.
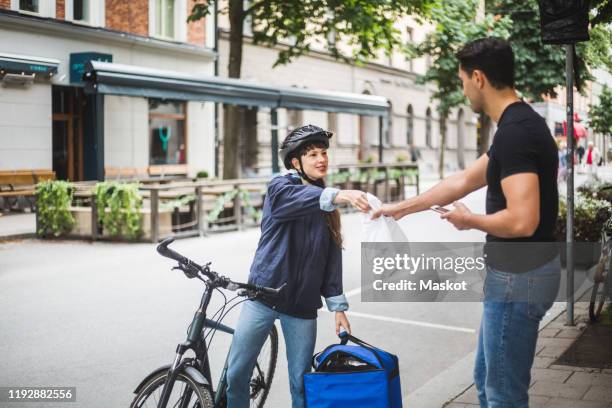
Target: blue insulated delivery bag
{"type": "Point", "coordinates": [353, 376]}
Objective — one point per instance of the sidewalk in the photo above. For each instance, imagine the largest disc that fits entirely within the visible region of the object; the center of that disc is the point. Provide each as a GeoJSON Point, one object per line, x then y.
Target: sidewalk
{"type": "Point", "coordinates": [17, 225]}
{"type": "Point", "coordinates": [555, 385]}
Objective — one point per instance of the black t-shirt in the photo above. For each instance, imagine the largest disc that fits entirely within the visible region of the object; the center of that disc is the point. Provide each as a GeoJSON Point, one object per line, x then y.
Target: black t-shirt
{"type": "Point", "coordinates": [523, 144]}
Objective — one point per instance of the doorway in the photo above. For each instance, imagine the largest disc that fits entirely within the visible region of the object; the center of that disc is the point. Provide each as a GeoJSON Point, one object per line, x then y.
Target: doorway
{"type": "Point", "coordinates": [68, 103]}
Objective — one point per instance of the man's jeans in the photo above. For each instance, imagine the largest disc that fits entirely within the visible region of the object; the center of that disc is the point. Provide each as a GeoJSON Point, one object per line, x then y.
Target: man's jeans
{"type": "Point", "coordinates": [514, 304]}
{"type": "Point", "coordinates": [254, 324]}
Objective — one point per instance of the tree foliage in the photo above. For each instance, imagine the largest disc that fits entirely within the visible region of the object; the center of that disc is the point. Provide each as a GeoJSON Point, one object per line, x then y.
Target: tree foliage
{"type": "Point", "coordinates": [600, 115]}
{"type": "Point", "coordinates": [351, 30]}
{"type": "Point", "coordinates": [539, 68]}
{"type": "Point", "coordinates": [455, 25]}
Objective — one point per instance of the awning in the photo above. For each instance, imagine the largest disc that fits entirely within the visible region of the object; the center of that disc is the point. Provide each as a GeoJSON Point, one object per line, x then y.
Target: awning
{"type": "Point", "coordinates": [27, 65]}
{"type": "Point", "coordinates": [118, 79]}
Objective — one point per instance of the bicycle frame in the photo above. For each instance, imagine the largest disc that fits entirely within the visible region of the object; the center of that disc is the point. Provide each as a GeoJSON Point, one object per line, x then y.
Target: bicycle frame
{"type": "Point", "coordinates": [197, 344]}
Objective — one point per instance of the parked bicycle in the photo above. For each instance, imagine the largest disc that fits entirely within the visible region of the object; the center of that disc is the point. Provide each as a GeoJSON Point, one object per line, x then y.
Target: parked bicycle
{"type": "Point", "coordinates": [602, 282]}
{"type": "Point", "coordinates": [187, 382]}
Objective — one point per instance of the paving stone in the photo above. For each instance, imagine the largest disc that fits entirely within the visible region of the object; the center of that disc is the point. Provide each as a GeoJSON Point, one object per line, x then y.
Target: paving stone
{"type": "Point", "coordinates": [591, 379]}
{"type": "Point", "coordinates": [470, 396]}
{"type": "Point", "coordinates": [555, 376]}
{"type": "Point", "coordinates": [553, 352]}
{"type": "Point", "coordinates": [543, 362]}
{"type": "Point", "coordinates": [571, 368]}
{"type": "Point", "coordinates": [556, 342]}
{"type": "Point", "coordinates": [572, 403]}
{"type": "Point", "coordinates": [549, 332]}
{"type": "Point", "coordinates": [599, 393]}
{"type": "Point", "coordinates": [569, 333]}
{"type": "Point", "coordinates": [538, 401]}
{"type": "Point", "coordinates": [550, 389]}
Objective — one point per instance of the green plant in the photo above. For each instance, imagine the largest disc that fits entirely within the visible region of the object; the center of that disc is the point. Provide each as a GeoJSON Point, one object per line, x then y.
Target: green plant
{"type": "Point", "coordinates": [202, 174]}
{"type": "Point", "coordinates": [598, 189]}
{"type": "Point", "coordinates": [178, 202]}
{"type": "Point", "coordinates": [123, 203]}
{"type": "Point", "coordinates": [222, 200]}
{"type": "Point", "coordinates": [53, 200]}
{"type": "Point", "coordinates": [401, 158]}
{"type": "Point", "coordinates": [589, 216]}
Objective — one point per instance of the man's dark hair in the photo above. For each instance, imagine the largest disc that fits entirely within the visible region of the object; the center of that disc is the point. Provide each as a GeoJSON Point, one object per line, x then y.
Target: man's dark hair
{"type": "Point", "coordinates": [491, 55]}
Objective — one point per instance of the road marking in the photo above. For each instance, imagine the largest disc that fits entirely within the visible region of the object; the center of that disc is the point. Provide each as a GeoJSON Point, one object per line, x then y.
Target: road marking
{"type": "Point", "coordinates": [353, 292]}
{"type": "Point", "coordinates": [411, 322]}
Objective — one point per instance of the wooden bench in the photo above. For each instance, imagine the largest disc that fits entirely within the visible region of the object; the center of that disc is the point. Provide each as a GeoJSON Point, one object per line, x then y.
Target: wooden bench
{"type": "Point", "coordinates": [19, 185]}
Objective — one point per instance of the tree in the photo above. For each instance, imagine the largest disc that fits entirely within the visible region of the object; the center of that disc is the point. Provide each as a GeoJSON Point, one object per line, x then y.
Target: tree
{"type": "Point", "coordinates": [366, 26]}
{"type": "Point", "coordinates": [539, 68]}
{"type": "Point", "coordinates": [455, 25]}
{"type": "Point", "coordinates": [600, 115]}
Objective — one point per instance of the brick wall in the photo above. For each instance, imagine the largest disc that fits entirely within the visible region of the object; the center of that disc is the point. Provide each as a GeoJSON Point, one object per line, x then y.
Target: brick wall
{"type": "Point", "coordinates": [195, 30]}
{"type": "Point", "coordinates": [5, 4]}
{"type": "Point", "coordinates": [130, 16]}
{"type": "Point", "coordinates": [60, 9]}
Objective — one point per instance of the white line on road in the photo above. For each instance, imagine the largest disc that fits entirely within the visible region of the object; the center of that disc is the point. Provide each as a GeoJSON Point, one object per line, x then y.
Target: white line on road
{"type": "Point", "coordinates": [410, 322]}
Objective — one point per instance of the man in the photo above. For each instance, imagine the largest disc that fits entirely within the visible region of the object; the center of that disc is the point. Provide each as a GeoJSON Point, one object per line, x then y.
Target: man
{"type": "Point", "coordinates": [592, 160]}
{"type": "Point", "coordinates": [520, 170]}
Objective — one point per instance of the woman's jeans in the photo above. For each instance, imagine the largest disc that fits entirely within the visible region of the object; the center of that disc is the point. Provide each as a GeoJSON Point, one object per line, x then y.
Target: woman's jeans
{"type": "Point", "coordinates": [255, 322]}
{"type": "Point", "coordinates": [514, 304]}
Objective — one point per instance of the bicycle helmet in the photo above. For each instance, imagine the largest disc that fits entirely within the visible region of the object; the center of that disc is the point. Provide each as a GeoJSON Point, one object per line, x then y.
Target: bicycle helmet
{"type": "Point", "coordinates": [298, 138]}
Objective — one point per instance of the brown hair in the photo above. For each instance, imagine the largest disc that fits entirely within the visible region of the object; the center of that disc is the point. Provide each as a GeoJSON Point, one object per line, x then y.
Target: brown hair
{"type": "Point", "coordinates": [332, 218]}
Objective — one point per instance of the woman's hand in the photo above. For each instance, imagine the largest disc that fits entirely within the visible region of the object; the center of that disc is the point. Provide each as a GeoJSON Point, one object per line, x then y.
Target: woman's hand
{"type": "Point", "coordinates": [356, 198]}
{"type": "Point", "coordinates": [342, 322]}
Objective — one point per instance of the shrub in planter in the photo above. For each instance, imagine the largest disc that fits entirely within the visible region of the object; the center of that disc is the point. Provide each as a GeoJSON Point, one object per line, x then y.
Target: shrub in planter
{"type": "Point", "coordinates": [53, 207]}
{"type": "Point", "coordinates": [589, 216]}
{"type": "Point", "coordinates": [597, 189]}
{"type": "Point", "coordinates": [118, 206]}
{"type": "Point", "coordinates": [202, 174]}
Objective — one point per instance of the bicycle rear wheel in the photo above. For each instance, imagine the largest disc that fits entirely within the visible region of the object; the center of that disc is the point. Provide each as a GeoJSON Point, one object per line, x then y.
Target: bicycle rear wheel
{"type": "Point", "coordinates": [186, 393]}
{"type": "Point", "coordinates": [261, 379]}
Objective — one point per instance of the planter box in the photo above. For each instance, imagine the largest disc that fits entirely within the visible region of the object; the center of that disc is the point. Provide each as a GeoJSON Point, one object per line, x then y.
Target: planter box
{"type": "Point", "coordinates": [82, 225]}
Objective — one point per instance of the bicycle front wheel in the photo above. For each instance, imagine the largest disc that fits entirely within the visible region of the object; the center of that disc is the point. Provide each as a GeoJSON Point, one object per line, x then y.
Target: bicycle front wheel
{"type": "Point", "coordinates": [186, 393]}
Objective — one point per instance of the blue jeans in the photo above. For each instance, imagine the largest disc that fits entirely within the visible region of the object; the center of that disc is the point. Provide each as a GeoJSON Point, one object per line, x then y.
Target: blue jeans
{"type": "Point", "coordinates": [254, 324]}
{"type": "Point", "coordinates": [514, 305]}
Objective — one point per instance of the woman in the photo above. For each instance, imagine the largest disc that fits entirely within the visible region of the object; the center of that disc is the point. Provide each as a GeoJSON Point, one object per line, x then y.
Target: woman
{"type": "Point", "coordinates": [300, 246]}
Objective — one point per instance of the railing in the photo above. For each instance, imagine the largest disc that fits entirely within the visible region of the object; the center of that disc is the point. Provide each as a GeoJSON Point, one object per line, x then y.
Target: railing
{"type": "Point", "coordinates": [192, 208]}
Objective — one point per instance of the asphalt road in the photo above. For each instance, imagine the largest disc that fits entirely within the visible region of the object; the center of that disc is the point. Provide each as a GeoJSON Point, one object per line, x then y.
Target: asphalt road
{"type": "Point", "coordinates": [100, 316]}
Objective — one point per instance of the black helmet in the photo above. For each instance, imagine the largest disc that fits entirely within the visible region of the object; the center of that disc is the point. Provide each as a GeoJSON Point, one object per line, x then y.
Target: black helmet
{"type": "Point", "coordinates": [299, 137]}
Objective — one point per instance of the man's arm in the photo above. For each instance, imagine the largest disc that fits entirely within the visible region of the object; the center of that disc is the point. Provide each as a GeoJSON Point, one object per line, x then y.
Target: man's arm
{"type": "Point", "coordinates": [520, 218]}
{"type": "Point", "coordinates": [445, 192]}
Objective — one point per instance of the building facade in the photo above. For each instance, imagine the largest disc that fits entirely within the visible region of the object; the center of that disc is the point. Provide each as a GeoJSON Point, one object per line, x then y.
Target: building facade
{"type": "Point", "coordinates": [413, 119]}
{"type": "Point", "coordinates": [49, 121]}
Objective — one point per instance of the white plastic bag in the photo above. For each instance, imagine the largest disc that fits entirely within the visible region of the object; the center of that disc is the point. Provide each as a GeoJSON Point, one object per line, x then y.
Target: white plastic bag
{"type": "Point", "coordinates": [382, 229]}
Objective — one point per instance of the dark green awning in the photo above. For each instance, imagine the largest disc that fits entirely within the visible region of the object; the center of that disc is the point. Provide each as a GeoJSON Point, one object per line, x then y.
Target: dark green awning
{"type": "Point", "coordinates": [27, 65]}
{"type": "Point", "coordinates": [118, 79]}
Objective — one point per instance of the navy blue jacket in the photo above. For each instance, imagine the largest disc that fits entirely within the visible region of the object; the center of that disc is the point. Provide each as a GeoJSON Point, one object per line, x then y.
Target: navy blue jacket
{"type": "Point", "coordinates": [296, 248]}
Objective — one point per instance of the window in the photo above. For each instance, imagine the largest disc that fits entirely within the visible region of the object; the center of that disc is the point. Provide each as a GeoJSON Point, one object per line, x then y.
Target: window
{"type": "Point", "coordinates": [409, 126]}
{"type": "Point", "coordinates": [164, 18]}
{"type": "Point", "coordinates": [428, 140]}
{"type": "Point", "coordinates": [410, 39]}
{"type": "Point", "coordinates": [167, 132]}
{"type": "Point", "coordinates": [80, 10]}
{"type": "Point", "coordinates": [31, 6]}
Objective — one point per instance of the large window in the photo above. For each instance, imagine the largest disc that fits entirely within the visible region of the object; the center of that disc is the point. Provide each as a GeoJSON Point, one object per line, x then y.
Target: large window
{"type": "Point", "coordinates": [409, 126]}
{"type": "Point", "coordinates": [29, 5]}
{"type": "Point", "coordinates": [81, 10]}
{"type": "Point", "coordinates": [168, 143]}
{"type": "Point", "coordinates": [164, 18]}
{"type": "Point", "coordinates": [428, 139]}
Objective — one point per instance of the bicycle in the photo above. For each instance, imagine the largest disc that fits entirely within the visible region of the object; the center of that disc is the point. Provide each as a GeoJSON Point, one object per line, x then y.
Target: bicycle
{"type": "Point", "coordinates": [602, 283]}
{"type": "Point", "coordinates": [159, 389]}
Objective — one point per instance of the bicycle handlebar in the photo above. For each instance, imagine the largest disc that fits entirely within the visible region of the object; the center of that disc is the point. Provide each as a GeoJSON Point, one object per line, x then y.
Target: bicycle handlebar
{"type": "Point", "coordinates": [220, 281]}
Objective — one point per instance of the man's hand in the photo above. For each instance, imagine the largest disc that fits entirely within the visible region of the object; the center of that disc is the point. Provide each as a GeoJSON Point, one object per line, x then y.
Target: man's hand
{"type": "Point", "coordinates": [388, 210]}
{"type": "Point", "coordinates": [356, 198]}
{"type": "Point", "coordinates": [459, 217]}
{"type": "Point", "coordinates": [342, 322]}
